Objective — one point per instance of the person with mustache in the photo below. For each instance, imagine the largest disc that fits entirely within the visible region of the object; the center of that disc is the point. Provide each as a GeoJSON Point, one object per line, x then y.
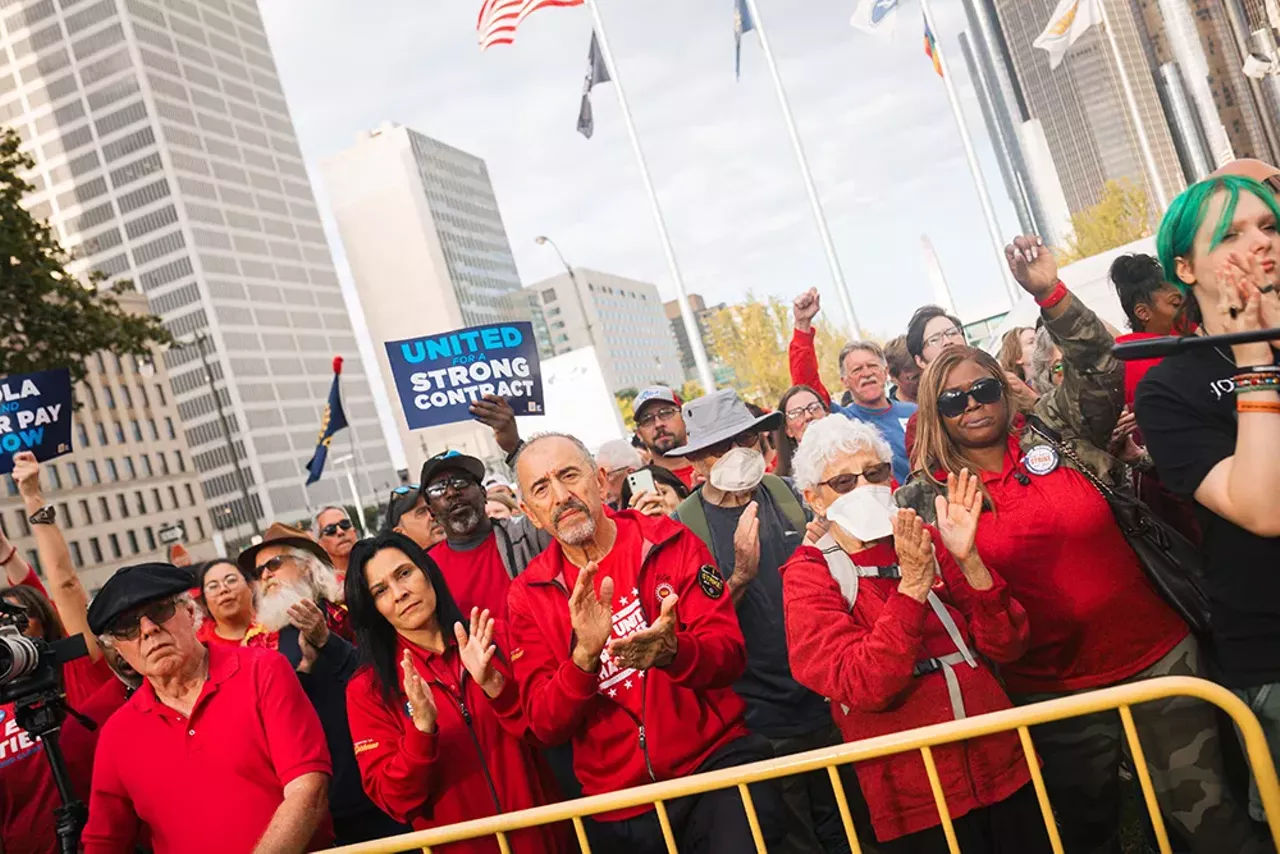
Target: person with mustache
{"type": "Point", "coordinates": [864, 373]}
{"type": "Point", "coordinates": [660, 428]}
{"type": "Point", "coordinates": [624, 642]}
{"type": "Point", "coordinates": [295, 586]}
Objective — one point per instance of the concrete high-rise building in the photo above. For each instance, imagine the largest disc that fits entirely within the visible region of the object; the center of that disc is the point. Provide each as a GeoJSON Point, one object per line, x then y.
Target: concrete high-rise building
{"type": "Point", "coordinates": [622, 318]}
{"type": "Point", "coordinates": [429, 253]}
{"type": "Point", "coordinates": [131, 479]}
{"type": "Point", "coordinates": [1081, 105]}
{"type": "Point", "coordinates": [165, 155]}
{"type": "Point", "coordinates": [702, 313]}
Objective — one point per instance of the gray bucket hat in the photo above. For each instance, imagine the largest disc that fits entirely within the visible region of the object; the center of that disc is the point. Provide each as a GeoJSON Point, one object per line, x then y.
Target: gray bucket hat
{"type": "Point", "coordinates": [714, 417]}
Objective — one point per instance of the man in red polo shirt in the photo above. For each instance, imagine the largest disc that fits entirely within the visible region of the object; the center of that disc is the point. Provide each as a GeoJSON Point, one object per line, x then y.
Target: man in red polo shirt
{"type": "Point", "coordinates": [234, 721]}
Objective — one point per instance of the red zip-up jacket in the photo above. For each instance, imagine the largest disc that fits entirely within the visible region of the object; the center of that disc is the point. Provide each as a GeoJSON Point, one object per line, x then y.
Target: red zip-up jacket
{"type": "Point", "coordinates": [863, 660]}
{"type": "Point", "coordinates": [688, 710]}
{"type": "Point", "coordinates": [477, 763]}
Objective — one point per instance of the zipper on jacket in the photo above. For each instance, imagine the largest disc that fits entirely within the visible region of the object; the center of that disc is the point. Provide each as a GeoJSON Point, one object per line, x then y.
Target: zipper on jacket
{"type": "Point", "coordinates": [475, 740]}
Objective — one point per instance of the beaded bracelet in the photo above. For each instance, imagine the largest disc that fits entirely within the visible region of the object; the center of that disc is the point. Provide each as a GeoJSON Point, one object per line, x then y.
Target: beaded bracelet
{"type": "Point", "coordinates": [1255, 382]}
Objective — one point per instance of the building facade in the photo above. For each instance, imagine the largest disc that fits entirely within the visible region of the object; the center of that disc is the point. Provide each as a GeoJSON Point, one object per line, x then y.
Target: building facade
{"type": "Point", "coordinates": [622, 318]}
{"type": "Point", "coordinates": [428, 252]}
{"type": "Point", "coordinates": [130, 475]}
{"type": "Point", "coordinates": [702, 314]}
{"type": "Point", "coordinates": [165, 155]}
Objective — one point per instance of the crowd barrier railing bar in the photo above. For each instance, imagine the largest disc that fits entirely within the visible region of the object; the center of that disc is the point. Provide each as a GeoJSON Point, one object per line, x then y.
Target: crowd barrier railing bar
{"type": "Point", "coordinates": [1120, 698]}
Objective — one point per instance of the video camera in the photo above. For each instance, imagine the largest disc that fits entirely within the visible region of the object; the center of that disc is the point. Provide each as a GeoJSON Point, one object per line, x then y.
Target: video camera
{"type": "Point", "coordinates": [30, 668]}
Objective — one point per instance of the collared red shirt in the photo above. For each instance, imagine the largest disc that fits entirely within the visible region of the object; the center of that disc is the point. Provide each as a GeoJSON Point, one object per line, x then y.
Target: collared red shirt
{"type": "Point", "coordinates": [251, 732]}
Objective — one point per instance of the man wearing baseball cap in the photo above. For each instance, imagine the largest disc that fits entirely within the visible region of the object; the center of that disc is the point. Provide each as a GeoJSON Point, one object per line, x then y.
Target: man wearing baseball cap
{"type": "Point", "coordinates": [660, 426]}
{"type": "Point", "coordinates": [408, 514]}
{"type": "Point", "coordinates": [235, 719]}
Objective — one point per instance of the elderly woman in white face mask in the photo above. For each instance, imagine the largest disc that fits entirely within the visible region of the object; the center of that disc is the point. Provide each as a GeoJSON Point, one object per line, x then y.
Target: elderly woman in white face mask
{"type": "Point", "coordinates": [893, 621]}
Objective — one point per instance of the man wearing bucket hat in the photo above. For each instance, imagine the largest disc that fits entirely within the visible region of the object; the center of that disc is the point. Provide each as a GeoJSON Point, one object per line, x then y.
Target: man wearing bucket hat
{"type": "Point", "coordinates": [752, 522]}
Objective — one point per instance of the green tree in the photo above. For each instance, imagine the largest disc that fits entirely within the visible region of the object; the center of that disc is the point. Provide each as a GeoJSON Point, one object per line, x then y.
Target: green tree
{"type": "Point", "coordinates": [1121, 216]}
{"type": "Point", "coordinates": [50, 319]}
{"type": "Point", "coordinates": [626, 398]}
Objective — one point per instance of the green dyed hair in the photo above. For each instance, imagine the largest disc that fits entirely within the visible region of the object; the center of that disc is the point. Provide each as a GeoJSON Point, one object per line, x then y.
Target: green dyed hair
{"type": "Point", "coordinates": [1187, 212]}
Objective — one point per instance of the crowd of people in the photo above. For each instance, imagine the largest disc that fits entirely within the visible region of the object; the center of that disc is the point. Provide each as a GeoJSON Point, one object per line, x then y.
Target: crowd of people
{"type": "Point", "coordinates": [733, 584]}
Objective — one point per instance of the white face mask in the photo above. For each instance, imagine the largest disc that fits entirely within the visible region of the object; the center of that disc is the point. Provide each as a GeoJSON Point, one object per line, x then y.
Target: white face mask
{"type": "Point", "coordinates": [739, 470]}
{"type": "Point", "coordinates": [866, 513]}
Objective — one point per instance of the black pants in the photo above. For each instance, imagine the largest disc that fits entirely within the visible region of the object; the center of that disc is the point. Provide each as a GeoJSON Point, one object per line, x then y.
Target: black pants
{"type": "Point", "coordinates": [711, 823]}
{"type": "Point", "coordinates": [365, 826]}
{"type": "Point", "coordinates": [813, 815]}
{"type": "Point", "coordinates": [1012, 826]}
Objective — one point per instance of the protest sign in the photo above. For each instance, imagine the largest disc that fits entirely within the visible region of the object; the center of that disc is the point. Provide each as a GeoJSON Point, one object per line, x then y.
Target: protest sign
{"type": "Point", "coordinates": [438, 377]}
{"type": "Point", "coordinates": [35, 415]}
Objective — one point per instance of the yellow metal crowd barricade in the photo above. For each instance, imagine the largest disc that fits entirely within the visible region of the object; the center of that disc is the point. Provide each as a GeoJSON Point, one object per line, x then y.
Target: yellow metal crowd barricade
{"type": "Point", "coordinates": [1120, 698]}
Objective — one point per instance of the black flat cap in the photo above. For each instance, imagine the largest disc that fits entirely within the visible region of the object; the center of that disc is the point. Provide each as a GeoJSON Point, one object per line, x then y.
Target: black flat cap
{"type": "Point", "coordinates": [132, 586]}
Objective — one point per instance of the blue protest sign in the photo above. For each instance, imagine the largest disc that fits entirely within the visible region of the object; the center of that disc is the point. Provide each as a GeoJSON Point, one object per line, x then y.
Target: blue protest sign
{"type": "Point", "coordinates": [439, 376]}
{"type": "Point", "coordinates": [35, 415]}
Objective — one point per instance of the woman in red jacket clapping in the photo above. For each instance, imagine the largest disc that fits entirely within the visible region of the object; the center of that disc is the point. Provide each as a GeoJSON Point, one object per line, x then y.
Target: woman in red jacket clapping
{"type": "Point", "coordinates": [872, 626]}
{"type": "Point", "coordinates": [435, 716]}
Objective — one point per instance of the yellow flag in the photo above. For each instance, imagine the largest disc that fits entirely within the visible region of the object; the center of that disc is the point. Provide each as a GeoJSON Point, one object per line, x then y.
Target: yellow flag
{"type": "Point", "coordinates": [1069, 21]}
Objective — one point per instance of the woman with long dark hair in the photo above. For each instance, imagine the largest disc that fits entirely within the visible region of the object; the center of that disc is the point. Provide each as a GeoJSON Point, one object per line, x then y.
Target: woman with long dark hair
{"type": "Point", "coordinates": [435, 715]}
{"type": "Point", "coordinates": [1049, 533]}
{"type": "Point", "coordinates": [800, 406]}
{"type": "Point", "coordinates": [226, 595]}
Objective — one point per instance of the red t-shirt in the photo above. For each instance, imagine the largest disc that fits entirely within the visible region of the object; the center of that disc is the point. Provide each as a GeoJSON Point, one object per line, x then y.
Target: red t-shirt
{"type": "Point", "coordinates": [251, 732]}
{"type": "Point", "coordinates": [476, 578]}
{"type": "Point", "coordinates": [207, 634]}
{"type": "Point", "coordinates": [686, 475]}
{"type": "Point", "coordinates": [1136, 369]}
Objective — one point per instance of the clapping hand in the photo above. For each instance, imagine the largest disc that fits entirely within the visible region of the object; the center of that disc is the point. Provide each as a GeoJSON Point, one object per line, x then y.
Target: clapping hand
{"type": "Point", "coordinates": [591, 617]}
{"type": "Point", "coordinates": [651, 647]}
{"type": "Point", "coordinates": [958, 513]}
{"type": "Point", "coordinates": [477, 650]}
{"type": "Point", "coordinates": [915, 554]}
{"type": "Point", "coordinates": [422, 705]}
{"type": "Point", "coordinates": [309, 620]}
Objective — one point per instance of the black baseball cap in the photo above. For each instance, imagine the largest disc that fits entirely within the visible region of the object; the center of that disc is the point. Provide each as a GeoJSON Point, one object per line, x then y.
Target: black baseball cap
{"type": "Point", "coordinates": [402, 500]}
{"type": "Point", "coordinates": [132, 586]}
{"type": "Point", "coordinates": [451, 461]}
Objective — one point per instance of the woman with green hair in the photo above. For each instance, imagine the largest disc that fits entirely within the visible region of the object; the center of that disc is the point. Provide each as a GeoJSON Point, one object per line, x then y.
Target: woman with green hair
{"type": "Point", "coordinates": [1211, 419]}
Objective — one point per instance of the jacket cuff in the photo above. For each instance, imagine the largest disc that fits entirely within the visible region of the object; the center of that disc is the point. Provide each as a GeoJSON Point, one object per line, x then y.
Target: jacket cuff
{"type": "Point", "coordinates": [579, 684]}
{"type": "Point", "coordinates": [993, 600]}
{"type": "Point", "coordinates": [686, 660]}
{"type": "Point", "coordinates": [798, 334]}
{"type": "Point", "coordinates": [507, 703]}
{"type": "Point", "coordinates": [907, 611]}
{"type": "Point", "coordinates": [421, 746]}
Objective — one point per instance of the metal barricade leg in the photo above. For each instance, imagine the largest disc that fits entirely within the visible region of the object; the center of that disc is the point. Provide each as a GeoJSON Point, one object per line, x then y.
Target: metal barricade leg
{"type": "Point", "coordinates": [940, 799]}
{"type": "Point", "coordinates": [842, 801]}
{"type": "Point", "coordinates": [1042, 794]}
{"type": "Point", "coordinates": [1144, 777]}
{"type": "Point", "coordinates": [581, 829]}
{"type": "Point", "coordinates": [752, 819]}
{"type": "Point", "coordinates": [665, 821]}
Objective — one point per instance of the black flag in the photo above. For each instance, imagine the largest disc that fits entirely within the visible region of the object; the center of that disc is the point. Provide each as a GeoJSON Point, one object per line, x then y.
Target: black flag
{"type": "Point", "coordinates": [597, 72]}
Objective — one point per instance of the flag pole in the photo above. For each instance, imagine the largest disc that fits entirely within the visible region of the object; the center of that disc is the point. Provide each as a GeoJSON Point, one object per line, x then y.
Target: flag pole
{"type": "Point", "coordinates": [686, 312]}
{"type": "Point", "coordinates": [819, 216]}
{"type": "Point", "coordinates": [1157, 184]}
{"type": "Point", "coordinates": [975, 168]}
{"type": "Point", "coordinates": [355, 457]}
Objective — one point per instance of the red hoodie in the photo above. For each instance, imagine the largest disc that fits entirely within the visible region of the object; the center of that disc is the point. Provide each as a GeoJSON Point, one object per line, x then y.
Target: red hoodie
{"type": "Point", "coordinates": [863, 660]}
{"type": "Point", "coordinates": [476, 764]}
{"type": "Point", "coordinates": [684, 712]}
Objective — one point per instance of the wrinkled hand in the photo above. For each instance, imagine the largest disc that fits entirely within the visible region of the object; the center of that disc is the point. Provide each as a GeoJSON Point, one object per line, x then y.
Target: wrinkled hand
{"type": "Point", "coordinates": [806, 308]}
{"type": "Point", "coordinates": [746, 546]}
{"type": "Point", "coordinates": [591, 617]}
{"type": "Point", "coordinates": [915, 554]}
{"type": "Point", "coordinates": [422, 705]}
{"type": "Point", "coordinates": [309, 655]}
{"type": "Point", "coordinates": [1033, 264]}
{"type": "Point", "coordinates": [651, 647]}
{"type": "Point", "coordinates": [816, 530]}
{"type": "Point", "coordinates": [649, 503]}
{"type": "Point", "coordinates": [26, 472]}
{"type": "Point", "coordinates": [958, 513]}
{"type": "Point", "coordinates": [309, 620]}
{"type": "Point", "coordinates": [495, 413]}
{"type": "Point", "coordinates": [477, 649]}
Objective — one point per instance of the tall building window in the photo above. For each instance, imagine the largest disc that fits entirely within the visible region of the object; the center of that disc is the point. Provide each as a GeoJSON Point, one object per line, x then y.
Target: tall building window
{"type": "Point", "coordinates": [151, 539]}
{"type": "Point", "coordinates": [84, 511]}
{"type": "Point", "coordinates": [104, 508]}
{"type": "Point", "coordinates": [111, 398]}
{"type": "Point", "coordinates": [64, 515]}
{"type": "Point", "coordinates": [168, 426]}
{"type": "Point", "coordinates": [191, 496]}
{"type": "Point", "coordinates": [94, 478]}
{"type": "Point", "coordinates": [141, 502]}
{"type": "Point", "coordinates": [182, 465]}
{"type": "Point", "coordinates": [173, 497]}
{"type": "Point", "coordinates": [128, 398]}
{"type": "Point", "coordinates": [123, 503]}
{"type": "Point", "coordinates": [114, 541]}
{"type": "Point", "coordinates": [102, 433]}
{"type": "Point", "coordinates": [200, 527]}
{"type": "Point", "coordinates": [95, 549]}
{"type": "Point", "coordinates": [146, 465]}
{"type": "Point", "coordinates": [160, 395]}
{"type": "Point", "coordinates": [55, 479]}
{"type": "Point", "coordinates": [112, 473]}
{"type": "Point", "coordinates": [136, 428]}
{"type": "Point", "coordinates": [164, 462]}
{"type": "Point", "coordinates": [24, 527]}
{"type": "Point", "coordinates": [76, 556]}
{"type": "Point", "coordinates": [119, 430]}
{"type": "Point", "coordinates": [133, 541]}
{"type": "Point", "coordinates": [129, 471]}
{"type": "Point", "coordinates": [155, 496]}
{"type": "Point", "coordinates": [82, 434]}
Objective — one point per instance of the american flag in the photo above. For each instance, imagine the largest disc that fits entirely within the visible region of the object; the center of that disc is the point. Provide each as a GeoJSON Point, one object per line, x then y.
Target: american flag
{"type": "Point", "coordinates": [499, 18]}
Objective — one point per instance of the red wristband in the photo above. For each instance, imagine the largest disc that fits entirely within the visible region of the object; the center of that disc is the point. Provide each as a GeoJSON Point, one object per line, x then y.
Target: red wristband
{"type": "Point", "coordinates": [1055, 296]}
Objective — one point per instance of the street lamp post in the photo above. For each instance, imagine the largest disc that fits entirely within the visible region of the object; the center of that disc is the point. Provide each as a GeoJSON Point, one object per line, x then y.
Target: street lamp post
{"type": "Point", "coordinates": [197, 341]}
{"type": "Point", "coordinates": [543, 240]}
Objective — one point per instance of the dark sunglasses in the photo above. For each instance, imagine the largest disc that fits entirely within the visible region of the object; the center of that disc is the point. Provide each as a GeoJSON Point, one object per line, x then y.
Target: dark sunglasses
{"type": "Point", "coordinates": [406, 489]}
{"type": "Point", "coordinates": [719, 449]}
{"type": "Point", "coordinates": [273, 565]}
{"type": "Point", "coordinates": [129, 626]}
{"type": "Point", "coordinates": [953, 403]}
{"type": "Point", "coordinates": [457, 482]}
{"type": "Point", "coordinates": [330, 530]}
{"type": "Point", "coordinates": [848, 482]}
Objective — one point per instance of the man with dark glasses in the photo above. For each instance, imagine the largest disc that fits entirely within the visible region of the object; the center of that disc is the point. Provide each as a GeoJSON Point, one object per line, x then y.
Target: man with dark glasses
{"type": "Point", "coordinates": [250, 734]}
{"type": "Point", "coordinates": [336, 534]}
{"type": "Point", "coordinates": [408, 514]}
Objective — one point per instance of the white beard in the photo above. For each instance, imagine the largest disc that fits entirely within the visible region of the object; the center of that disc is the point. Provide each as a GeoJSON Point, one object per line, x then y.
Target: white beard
{"type": "Point", "coordinates": [273, 609]}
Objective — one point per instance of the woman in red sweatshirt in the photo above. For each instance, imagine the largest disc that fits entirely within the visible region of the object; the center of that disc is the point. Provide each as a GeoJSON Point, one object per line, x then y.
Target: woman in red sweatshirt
{"type": "Point", "coordinates": [434, 715]}
{"type": "Point", "coordinates": [896, 632]}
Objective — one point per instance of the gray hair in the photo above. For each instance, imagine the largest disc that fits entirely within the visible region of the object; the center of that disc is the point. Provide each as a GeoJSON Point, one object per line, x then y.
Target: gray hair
{"type": "Point", "coordinates": [866, 346]}
{"type": "Point", "coordinates": [323, 580]}
{"type": "Point", "coordinates": [617, 454]}
{"type": "Point", "coordinates": [182, 599]}
{"type": "Point", "coordinates": [1040, 372]}
{"type": "Point", "coordinates": [828, 438]}
{"type": "Point", "coordinates": [542, 437]}
{"type": "Point", "coordinates": [315, 520]}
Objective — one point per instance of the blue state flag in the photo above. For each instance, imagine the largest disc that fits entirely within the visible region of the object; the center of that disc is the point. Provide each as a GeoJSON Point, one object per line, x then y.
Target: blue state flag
{"type": "Point", "coordinates": [742, 23]}
{"type": "Point", "coordinates": [334, 420]}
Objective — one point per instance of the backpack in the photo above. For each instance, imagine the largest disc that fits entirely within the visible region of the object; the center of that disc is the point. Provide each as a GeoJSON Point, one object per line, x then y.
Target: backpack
{"type": "Point", "coordinates": [693, 516]}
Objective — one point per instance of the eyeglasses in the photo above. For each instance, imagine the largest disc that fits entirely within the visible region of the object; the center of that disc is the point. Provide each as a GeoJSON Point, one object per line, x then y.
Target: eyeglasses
{"type": "Point", "coordinates": [666, 413]}
{"type": "Point", "coordinates": [953, 403]}
{"type": "Point", "coordinates": [129, 626]}
{"type": "Point", "coordinates": [801, 412]}
{"type": "Point", "coordinates": [273, 565]}
{"type": "Point", "coordinates": [719, 449]}
{"type": "Point", "coordinates": [406, 489]}
{"type": "Point", "coordinates": [848, 482]}
{"type": "Point", "coordinates": [457, 483]}
{"type": "Point", "coordinates": [213, 585]}
{"type": "Point", "coordinates": [330, 530]}
{"type": "Point", "coordinates": [951, 334]}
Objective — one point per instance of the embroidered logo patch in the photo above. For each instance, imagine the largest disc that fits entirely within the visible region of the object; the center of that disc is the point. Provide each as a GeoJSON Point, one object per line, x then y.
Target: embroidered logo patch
{"type": "Point", "coordinates": [1041, 459]}
{"type": "Point", "coordinates": [710, 581]}
{"type": "Point", "coordinates": [663, 589]}
{"type": "Point", "coordinates": [365, 745]}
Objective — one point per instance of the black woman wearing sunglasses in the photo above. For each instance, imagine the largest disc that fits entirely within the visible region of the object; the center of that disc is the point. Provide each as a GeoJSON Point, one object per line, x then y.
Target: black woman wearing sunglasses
{"type": "Point", "coordinates": [872, 626]}
{"type": "Point", "coordinates": [1048, 532]}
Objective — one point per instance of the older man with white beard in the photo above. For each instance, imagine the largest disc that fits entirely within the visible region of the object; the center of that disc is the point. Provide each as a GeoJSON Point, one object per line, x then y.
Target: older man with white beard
{"type": "Point", "coordinates": [298, 614]}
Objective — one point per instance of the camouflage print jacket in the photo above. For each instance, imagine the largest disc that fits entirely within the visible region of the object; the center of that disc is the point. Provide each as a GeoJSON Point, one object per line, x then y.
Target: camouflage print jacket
{"type": "Point", "coordinates": [1083, 410]}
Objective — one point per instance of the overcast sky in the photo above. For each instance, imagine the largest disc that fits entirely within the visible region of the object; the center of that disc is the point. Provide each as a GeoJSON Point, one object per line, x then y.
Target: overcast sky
{"type": "Point", "coordinates": [881, 140]}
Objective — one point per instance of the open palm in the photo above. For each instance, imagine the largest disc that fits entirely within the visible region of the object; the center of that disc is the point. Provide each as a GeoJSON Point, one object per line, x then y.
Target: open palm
{"type": "Point", "coordinates": [476, 648]}
{"type": "Point", "coordinates": [958, 513]}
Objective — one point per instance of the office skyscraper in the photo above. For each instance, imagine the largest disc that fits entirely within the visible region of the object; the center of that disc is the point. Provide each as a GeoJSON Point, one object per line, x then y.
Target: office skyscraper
{"type": "Point", "coordinates": [165, 154]}
{"type": "Point", "coordinates": [428, 251]}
